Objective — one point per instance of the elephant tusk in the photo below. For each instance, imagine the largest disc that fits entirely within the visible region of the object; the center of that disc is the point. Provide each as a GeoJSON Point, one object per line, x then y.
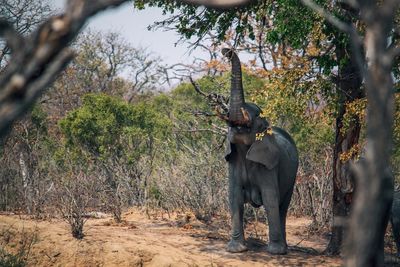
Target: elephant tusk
{"type": "Point", "coordinates": [245, 114]}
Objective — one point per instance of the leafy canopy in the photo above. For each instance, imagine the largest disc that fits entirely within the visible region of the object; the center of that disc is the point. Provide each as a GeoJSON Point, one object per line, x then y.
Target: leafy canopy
{"type": "Point", "coordinates": [291, 20]}
{"type": "Point", "coordinates": [105, 125]}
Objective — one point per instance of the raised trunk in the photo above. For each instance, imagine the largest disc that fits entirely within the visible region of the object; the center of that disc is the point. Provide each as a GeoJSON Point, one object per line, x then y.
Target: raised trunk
{"type": "Point", "coordinates": [236, 102]}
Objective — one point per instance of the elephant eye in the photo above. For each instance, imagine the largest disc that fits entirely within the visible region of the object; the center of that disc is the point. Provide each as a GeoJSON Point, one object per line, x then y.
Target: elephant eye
{"type": "Point", "coordinates": [243, 129]}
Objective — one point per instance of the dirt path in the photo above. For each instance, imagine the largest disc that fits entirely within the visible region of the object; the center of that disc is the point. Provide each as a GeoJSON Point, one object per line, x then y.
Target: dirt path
{"type": "Point", "coordinates": [157, 242]}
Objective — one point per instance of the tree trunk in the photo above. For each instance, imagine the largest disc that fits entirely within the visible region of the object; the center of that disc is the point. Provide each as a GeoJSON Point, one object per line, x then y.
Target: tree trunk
{"type": "Point", "coordinates": [349, 89]}
{"type": "Point", "coordinates": [374, 193]}
{"type": "Point", "coordinates": [342, 184]}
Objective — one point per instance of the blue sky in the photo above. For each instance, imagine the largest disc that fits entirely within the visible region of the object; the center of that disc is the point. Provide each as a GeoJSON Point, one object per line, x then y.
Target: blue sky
{"type": "Point", "coordinates": [132, 24]}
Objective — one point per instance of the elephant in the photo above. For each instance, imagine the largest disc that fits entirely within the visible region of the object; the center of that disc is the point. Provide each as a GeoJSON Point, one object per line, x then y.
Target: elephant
{"type": "Point", "coordinates": [395, 220]}
{"type": "Point", "coordinates": [263, 163]}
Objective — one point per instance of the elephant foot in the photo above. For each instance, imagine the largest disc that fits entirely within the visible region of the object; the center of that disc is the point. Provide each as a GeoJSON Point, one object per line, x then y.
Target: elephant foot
{"type": "Point", "coordinates": [277, 248]}
{"type": "Point", "coordinates": [235, 246]}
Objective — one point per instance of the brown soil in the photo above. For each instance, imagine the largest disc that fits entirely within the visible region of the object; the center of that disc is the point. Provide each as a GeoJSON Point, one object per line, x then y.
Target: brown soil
{"type": "Point", "coordinates": [177, 241]}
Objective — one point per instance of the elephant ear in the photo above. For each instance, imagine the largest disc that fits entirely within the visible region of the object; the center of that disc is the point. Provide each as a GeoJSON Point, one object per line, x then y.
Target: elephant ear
{"type": "Point", "coordinates": [265, 152]}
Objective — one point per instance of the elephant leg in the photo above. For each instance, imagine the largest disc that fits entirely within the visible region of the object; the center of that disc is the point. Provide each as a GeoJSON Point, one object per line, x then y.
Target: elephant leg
{"type": "Point", "coordinates": [283, 208]}
{"type": "Point", "coordinates": [236, 203]}
{"type": "Point", "coordinates": [395, 221]}
{"type": "Point", "coordinates": [270, 196]}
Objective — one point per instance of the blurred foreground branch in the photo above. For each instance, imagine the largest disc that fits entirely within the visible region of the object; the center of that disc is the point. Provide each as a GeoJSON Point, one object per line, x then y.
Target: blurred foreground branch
{"type": "Point", "coordinates": [374, 180]}
{"type": "Point", "coordinates": [219, 4]}
{"type": "Point", "coordinates": [38, 58]}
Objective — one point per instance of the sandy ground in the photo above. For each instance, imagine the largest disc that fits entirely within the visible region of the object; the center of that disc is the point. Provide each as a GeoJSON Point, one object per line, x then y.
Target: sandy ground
{"type": "Point", "coordinates": [140, 241]}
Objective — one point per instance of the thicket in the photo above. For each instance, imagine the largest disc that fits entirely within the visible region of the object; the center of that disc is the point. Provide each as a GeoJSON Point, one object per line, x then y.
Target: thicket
{"type": "Point", "coordinates": [164, 150]}
{"type": "Point", "coordinates": [285, 37]}
{"type": "Point", "coordinates": [95, 144]}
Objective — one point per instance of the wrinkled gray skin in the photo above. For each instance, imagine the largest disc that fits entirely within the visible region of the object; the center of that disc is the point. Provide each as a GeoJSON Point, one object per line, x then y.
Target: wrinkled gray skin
{"type": "Point", "coordinates": [261, 172]}
{"type": "Point", "coordinates": [395, 220]}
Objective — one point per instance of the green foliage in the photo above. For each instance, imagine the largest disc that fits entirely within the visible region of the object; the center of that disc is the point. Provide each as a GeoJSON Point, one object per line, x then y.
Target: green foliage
{"type": "Point", "coordinates": [106, 125]}
{"type": "Point", "coordinates": [356, 111]}
{"type": "Point", "coordinates": [300, 105]}
{"type": "Point", "coordinates": [39, 118]}
{"type": "Point", "coordinates": [11, 260]}
{"type": "Point", "coordinates": [313, 136]}
{"type": "Point", "coordinates": [15, 247]}
{"type": "Point", "coordinates": [285, 26]}
{"type": "Point", "coordinates": [298, 93]}
{"type": "Point", "coordinates": [291, 20]}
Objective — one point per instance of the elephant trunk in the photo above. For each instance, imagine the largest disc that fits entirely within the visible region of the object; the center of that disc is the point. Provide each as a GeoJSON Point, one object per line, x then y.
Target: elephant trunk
{"type": "Point", "coordinates": [237, 113]}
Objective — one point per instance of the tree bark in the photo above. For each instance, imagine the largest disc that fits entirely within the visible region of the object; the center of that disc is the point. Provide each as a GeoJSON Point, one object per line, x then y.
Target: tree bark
{"type": "Point", "coordinates": [349, 89]}
{"type": "Point", "coordinates": [374, 194]}
{"type": "Point", "coordinates": [373, 178]}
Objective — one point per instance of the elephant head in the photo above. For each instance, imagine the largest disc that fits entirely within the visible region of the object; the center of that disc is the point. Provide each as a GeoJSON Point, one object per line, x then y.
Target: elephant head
{"type": "Point", "coordinates": [246, 125]}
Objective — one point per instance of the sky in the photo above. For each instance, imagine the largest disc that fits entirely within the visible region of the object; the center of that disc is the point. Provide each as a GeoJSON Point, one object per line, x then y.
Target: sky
{"type": "Point", "coordinates": [132, 24]}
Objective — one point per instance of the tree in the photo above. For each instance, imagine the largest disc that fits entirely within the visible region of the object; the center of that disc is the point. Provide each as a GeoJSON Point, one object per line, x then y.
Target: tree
{"type": "Point", "coordinates": [279, 33]}
{"type": "Point", "coordinates": [25, 154]}
{"type": "Point", "coordinates": [25, 15]}
{"type": "Point", "coordinates": [374, 181]}
{"type": "Point", "coordinates": [104, 58]}
{"type": "Point", "coordinates": [38, 58]}
{"type": "Point", "coordinates": [122, 140]}
{"type": "Point", "coordinates": [74, 193]}
{"type": "Point", "coordinates": [105, 63]}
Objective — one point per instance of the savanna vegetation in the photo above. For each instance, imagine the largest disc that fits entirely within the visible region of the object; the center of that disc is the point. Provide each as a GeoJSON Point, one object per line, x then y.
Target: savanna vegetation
{"type": "Point", "coordinates": [119, 128]}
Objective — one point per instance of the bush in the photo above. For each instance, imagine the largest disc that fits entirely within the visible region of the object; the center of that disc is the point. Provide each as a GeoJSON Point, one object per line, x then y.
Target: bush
{"type": "Point", "coordinates": [15, 247]}
{"type": "Point", "coordinates": [74, 195]}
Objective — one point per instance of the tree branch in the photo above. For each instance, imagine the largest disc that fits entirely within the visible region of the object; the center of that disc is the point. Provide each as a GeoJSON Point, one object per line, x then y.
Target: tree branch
{"type": "Point", "coordinates": [217, 101]}
{"type": "Point", "coordinates": [197, 88]}
{"type": "Point", "coordinates": [348, 28]}
{"type": "Point", "coordinates": [13, 39]}
{"type": "Point", "coordinates": [329, 17]}
{"type": "Point", "coordinates": [44, 56]}
{"type": "Point", "coordinates": [392, 53]}
{"type": "Point", "coordinates": [218, 4]}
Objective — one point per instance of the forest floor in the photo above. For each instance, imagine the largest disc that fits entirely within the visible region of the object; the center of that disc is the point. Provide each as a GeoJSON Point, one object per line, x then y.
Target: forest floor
{"type": "Point", "coordinates": [158, 241]}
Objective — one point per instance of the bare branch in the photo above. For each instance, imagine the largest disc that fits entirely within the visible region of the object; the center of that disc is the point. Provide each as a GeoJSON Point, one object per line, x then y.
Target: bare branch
{"type": "Point", "coordinates": [219, 131]}
{"type": "Point", "coordinates": [32, 69]}
{"type": "Point", "coordinates": [12, 37]}
{"type": "Point", "coordinates": [348, 28]}
{"type": "Point", "coordinates": [329, 17]}
{"type": "Point", "coordinates": [197, 88]}
{"type": "Point", "coordinates": [213, 98]}
{"type": "Point", "coordinates": [218, 102]}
